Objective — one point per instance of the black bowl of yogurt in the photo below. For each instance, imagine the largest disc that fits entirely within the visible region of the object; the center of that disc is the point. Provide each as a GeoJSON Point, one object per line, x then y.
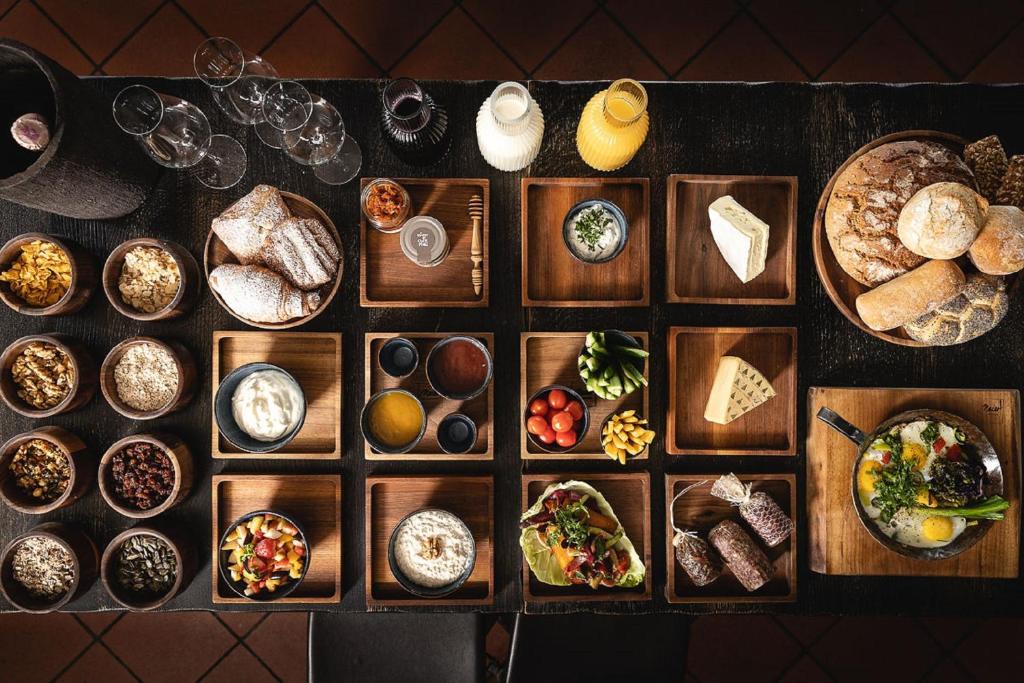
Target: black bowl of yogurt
{"type": "Point", "coordinates": [595, 231]}
{"type": "Point", "coordinates": [431, 552]}
{"type": "Point", "coordinates": [275, 396]}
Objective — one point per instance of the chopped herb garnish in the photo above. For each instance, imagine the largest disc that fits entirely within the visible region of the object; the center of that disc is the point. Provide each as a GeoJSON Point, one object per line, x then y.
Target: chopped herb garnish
{"type": "Point", "coordinates": [896, 486]}
{"type": "Point", "coordinates": [571, 522]}
{"type": "Point", "coordinates": [591, 225]}
{"type": "Point", "coordinates": [894, 443]}
{"type": "Point", "coordinates": [930, 433]}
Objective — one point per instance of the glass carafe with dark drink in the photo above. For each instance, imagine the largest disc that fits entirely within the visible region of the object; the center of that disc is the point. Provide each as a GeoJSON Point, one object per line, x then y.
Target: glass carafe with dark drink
{"type": "Point", "coordinates": [414, 124]}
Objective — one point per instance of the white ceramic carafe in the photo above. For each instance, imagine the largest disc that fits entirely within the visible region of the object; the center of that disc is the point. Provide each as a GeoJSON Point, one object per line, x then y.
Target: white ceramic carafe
{"type": "Point", "coordinates": [509, 128]}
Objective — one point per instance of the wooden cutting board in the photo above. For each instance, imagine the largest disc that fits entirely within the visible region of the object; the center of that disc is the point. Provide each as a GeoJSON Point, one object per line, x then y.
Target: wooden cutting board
{"type": "Point", "coordinates": [839, 544]}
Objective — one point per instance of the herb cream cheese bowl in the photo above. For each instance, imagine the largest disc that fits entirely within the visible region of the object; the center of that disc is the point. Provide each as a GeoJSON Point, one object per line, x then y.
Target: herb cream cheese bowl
{"type": "Point", "coordinates": [578, 249]}
{"type": "Point", "coordinates": [229, 427]}
{"type": "Point", "coordinates": [431, 591]}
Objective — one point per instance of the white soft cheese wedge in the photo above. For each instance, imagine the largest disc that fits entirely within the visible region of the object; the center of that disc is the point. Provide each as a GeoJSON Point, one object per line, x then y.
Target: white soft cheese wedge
{"type": "Point", "coordinates": [738, 389]}
{"type": "Point", "coordinates": [741, 236]}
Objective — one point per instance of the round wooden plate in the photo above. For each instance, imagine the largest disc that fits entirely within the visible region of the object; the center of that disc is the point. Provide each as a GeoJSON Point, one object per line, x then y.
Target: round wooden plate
{"type": "Point", "coordinates": [216, 253]}
{"type": "Point", "coordinates": [841, 288]}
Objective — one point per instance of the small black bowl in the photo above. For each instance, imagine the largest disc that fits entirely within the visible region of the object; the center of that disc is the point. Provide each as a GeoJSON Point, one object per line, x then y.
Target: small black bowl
{"type": "Point", "coordinates": [398, 357]}
{"type": "Point", "coordinates": [226, 419]}
{"type": "Point", "coordinates": [415, 588]}
{"type": "Point", "coordinates": [456, 434]}
{"type": "Point", "coordinates": [608, 206]}
{"type": "Point", "coordinates": [554, 447]}
{"type": "Point", "coordinates": [238, 587]}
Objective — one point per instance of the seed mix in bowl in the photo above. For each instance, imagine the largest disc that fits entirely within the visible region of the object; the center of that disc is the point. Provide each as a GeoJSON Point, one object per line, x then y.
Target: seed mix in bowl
{"type": "Point", "coordinates": [149, 279]}
{"type": "Point", "coordinates": [146, 377]}
{"type": "Point", "coordinates": [143, 475]}
{"type": "Point", "coordinates": [44, 567]}
{"type": "Point", "coordinates": [147, 565]}
{"type": "Point", "coordinates": [43, 374]}
{"type": "Point", "coordinates": [41, 470]}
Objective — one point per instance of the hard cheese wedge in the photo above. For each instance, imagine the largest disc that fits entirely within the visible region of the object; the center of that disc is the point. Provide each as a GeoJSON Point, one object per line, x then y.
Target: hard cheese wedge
{"type": "Point", "coordinates": [738, 389]}
{"type": "Point", "coordinates": [741, 236]}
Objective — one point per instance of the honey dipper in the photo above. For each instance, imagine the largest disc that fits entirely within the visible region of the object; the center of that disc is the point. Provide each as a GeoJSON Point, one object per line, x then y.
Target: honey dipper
{"type": "Point", "coordinates": [476, 253]}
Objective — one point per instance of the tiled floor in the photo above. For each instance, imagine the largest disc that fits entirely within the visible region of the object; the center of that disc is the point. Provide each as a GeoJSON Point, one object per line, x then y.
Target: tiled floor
{"type": "Point", "coordinates": [793, 40]}
{"type": "Point", "coordinates": [156, 648]}
{"type": "Point", "coordinates": [796, 40]}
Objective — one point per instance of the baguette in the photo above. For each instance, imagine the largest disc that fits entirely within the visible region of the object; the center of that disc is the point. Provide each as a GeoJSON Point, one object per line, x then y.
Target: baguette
{"type": "Point", "coordinates": [911, 295]}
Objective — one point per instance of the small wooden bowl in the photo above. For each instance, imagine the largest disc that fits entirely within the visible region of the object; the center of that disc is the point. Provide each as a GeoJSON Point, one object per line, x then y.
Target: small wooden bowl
{"type": "Point", "coordinates": [217, 253]}
{"type": "Point", "coordinates": [83, 473]}
{"type": "Point", "coordinates": [183, 362]}
{"type": "Point", "coordinates": [188, 288]}
{"type": "Point", "coordinates": [184, 554]}
{"type": "Point", "coordinates": [181, 460]}
{"type": "Point", "coordinates": [82, 390]}
{"type": "Point", "coordinates": [83, 276]}
{"type": "Point", "coordinates": [84, 555]}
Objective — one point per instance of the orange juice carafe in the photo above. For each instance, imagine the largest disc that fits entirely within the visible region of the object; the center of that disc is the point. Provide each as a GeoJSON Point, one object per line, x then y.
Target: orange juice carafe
{"type": "Point", "coordinates": [613, 125]}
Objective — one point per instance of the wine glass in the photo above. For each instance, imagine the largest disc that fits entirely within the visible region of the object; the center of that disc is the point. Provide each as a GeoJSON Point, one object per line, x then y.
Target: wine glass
{"type": "Point", "coordinates": [322, 142]}
{"type": "Point", "coordinates": [237, 79]}
{"type": "Point", "coordinates": [287, 106]}
{"type": "Point", "coordinates": [176, 134]}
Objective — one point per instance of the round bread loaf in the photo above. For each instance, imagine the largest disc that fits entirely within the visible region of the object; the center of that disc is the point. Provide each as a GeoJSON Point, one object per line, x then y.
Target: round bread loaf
{"type": "Point", "coordinates": [979, 308]}
{"type": "Point", "coordinates": [864, 206]}
{"type": "Point", "coordinates": [911, 295]}
{"type": "Point", "coordinates": [999, 249]}
{"type": "Point", "coordinates": [941, 221]}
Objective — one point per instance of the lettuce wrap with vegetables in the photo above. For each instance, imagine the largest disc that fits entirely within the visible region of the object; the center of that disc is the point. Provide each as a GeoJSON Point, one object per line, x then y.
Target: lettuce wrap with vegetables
{"type": "Point", "coordinates": [571, 536]}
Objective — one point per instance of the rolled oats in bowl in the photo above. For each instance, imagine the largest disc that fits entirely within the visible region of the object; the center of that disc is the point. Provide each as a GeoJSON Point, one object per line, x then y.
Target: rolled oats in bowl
{"type": "Point", "coordinates": [149, 280]}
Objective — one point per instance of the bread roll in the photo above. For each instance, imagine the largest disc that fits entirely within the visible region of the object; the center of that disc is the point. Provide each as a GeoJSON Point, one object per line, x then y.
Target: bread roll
{"type": "Point", "coordinates": [980, 307]}
{"type": "Point", "coordinates": [864, 206]}
{"type": "Point", "coordinates": [911, 295]}
{"type": "Point", "coordinates": [941, 221]}
{"type": "Point", "coordinates": [999, 249]}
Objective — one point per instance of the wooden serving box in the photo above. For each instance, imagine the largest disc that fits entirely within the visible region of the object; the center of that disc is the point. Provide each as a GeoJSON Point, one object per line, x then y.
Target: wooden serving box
{"type": "Point", "coordinates": [391, 498]}
{"type": "Point", "coordinates": [839, 544]}
{"type": "Point", "coordinates": [697, 273]}
{"type": "Point", "coordinates": [697, 510]}
{"type": "Point", "coordinates": [479, 409]}
{"type": "Point", "coordinates": [313, 500]}
{"type": "Point", "coordinates": [387, 278]}
{"type": "Point", "coordinates": [552, 276]}
{"type": "Point", "coordinates": [314, 359]}
{"type": "Point", "coordinates": [551, 358]}
{"type": "Point", "coordinates": [629, 494]}
{"type": "Point", "coordinates": [693, 355]}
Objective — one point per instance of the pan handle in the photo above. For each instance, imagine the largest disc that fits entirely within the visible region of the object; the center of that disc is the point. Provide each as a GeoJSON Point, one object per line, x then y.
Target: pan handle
{"type": "Point", "coordinates": [836, 422]}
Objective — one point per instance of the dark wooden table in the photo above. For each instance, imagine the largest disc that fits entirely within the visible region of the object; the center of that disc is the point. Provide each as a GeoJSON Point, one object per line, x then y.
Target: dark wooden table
{"type": "Point", "coordinates": [778, 129]}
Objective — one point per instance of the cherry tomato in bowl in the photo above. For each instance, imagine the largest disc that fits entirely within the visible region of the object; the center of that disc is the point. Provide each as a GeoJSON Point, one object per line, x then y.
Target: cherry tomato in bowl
{"type": "Point", "coordinates": [565, 420]}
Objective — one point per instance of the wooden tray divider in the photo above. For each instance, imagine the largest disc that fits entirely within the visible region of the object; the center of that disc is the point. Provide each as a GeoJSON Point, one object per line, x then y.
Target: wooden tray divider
{"type": "Point", "coordinates": [314, 500]}
{"type": "Point", "coordinates": [314, 358]}
{"type": "Point", "coordinates": [551, 358]}
{"type": "Point", "coordinates": [479, 409]}
{"type": "Point", "coordinates": [699, 511]}
{"type": "Point", "coordinates": [390, 498]}
{"type": "Point", "coordinates": [387, 278]}
{"type": "Point", "coordinates": [693, 355]}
